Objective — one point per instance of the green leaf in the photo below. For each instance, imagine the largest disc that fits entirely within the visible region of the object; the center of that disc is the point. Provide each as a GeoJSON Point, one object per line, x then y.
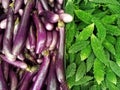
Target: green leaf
{"type": "Point", "coordinates": [78, 59]}
{"type": "Point", "coordinates": [76, 88]}
{"type": "Point", "coordinates": [101, 30]}
{"type": "Point", "coordinates": [110, 19]}
{"type": "Point", "coordinates": [110, 76]}
{"type": "Point", "coordinates": [111, 86]}
{"type": "Point", "coordinates": [98, 49]}
{"type": "Point", "coordinates": [86, 32]}
{"type": "Point", "coordinates": [115, 68]}
{"type": "Point", "coordinates": [117, 48]}
{"type": "Point", "coordinates": [90, 61]}
{"type": "Point", "coordinates": [85, 52]}
{"type": "Point", "coordinates": [71, 82]}
{"type": "Point", "coordinates": [115, 2]}
{"type": "Point", "coordinates": [113, 30]}
{"type": "Point", "coordinates": [83, 80]}
{"type": "Point", "coordinates": [115, 9]}
{"type": "Point", "coordinates": [99, 71]}
{"type": "Point", "coordinates": [85, 17]}
{"type": "Point", "coordinates": [95, 87]}
{"type": "Point", "coordinates": [70, 32]}
{"type": "Point", "coordinates": [111, 39]}
{"type": "Point", "coordinates": [77, 46]}
{"type": "Point", "coordinates": [70, 71]}
{"type": "Point", "coordinates": [80, 71]}
{"type": "Point", "coordinates": [71, 57]}
{"type": "Point", "coordinates": [109, 47]}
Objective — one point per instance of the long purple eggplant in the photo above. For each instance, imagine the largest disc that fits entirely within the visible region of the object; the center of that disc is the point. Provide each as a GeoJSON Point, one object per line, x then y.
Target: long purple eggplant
{"type": "Point", "coordinates": [44, 4]}
{"type": "Point", "coordinates": [3, 24]}
{"type": "Point", "coordinates": [49, 39]}
{"type": "Point", "coordinates": [20, 38]}
{"type": "Point", "coordinates": [54, 40]}
{"type": "Point", "coordinates": [39, 7]}
{"type": "Point", "coordinates": [60, 58]}
{"type": "Point", "coordinates": [13, 80]}
{"type": "Point", "coordinates": [5, 4]}
{"type": "Point", "coordinates": [42, 73]}
{"type": "Point", "coordinates": [18, 5]}
{"type": "Point", "coordinates": [41, 33]}
{"type": "Point", "coordinates": [52, 83]}
{"type": "Point", "coordinates": [3, 84]}
{"type": "Point", "coordinates": [7, 39]}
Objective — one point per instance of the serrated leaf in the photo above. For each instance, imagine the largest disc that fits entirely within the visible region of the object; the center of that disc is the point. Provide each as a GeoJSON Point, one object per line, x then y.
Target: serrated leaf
{"type": "Point", "coordinates": [115, 68]}
{"type": "Point", "coordinates": [113, 30]}
{"type": "Point", "coordinates": [98, 49]}
{"type": "Point", "coordinates": [81, 70]}
{"type": "Point", "coordinates": [70, 33]}
{"type": "Point", "coordinates": [71, 82]}
{"type": "Point", "coordinates": [115, 2]}
{"type": "Point", "coordinates": [114, 8]}
{"type": "Point", "coordinates": [111, 39]}
{"type": "Point", "coordinates": [110, 76]}
{"type": "Point", "coordinates": [117, 48]}
{"type": "Point", "coordinates": [99, 71]}
{"type": "Point", "coordinates": [70, 71]}
{"type": "Point", "coordinates": [109, 19]}
{"type": "Point", "coordinates": [111, 86]}
{"type": "Point", "coordinates": [85, 52]}
{"type": "Point", "coordinates": [101, 30]}
{"type": "Point", "coordinates": [83, 16]}
{"type": "Point", "coordinates": [71, 57]}
{"type": "Point", "coordinates": [90, 61]}
{"type": "Point", "coordinates": [86, 32]}
{"type": "Point", "coordinates": [77, 46]}
{"type": "Point", "coordinates": [83, 80]}
{"type": "Point", "coordinates": [109, 46]}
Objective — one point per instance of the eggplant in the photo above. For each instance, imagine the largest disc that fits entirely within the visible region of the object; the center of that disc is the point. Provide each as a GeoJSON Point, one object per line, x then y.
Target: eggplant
{"type": "Point", "coordinates": [3, 24]}
{"type": "Point", "coordinates": [42, 73]}
{"type": "Point", "coordinates": [3, 84]}
{"type": "Point", "coordinates": [39, 7]}
{"type": "Point", "coordinates": [8, 36]}
{"type": "Point", "coordinates": [44, 4]}
{"type": "Point", "coordinates": [49, 39]}
{"type": "Point", "coordinates": [13, 80]}
{"type": "Point", "coordinates": [21, 35]}
{"type": "Point", "coordinates": [5, 4]}
{"type": "Point", "coordinates": [41, 33]}
{"type": "Point", "coordinates": [18, 4]}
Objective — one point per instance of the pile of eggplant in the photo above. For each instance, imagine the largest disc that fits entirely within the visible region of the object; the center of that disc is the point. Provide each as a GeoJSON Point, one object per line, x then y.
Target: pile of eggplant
{"type": "Point", "coordinates": [32, 34]}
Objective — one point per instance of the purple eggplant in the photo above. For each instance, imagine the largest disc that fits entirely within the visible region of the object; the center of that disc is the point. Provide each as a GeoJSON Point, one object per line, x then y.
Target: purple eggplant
{"type": "Point", "coordinates": [42, 73]}
{"type": "Point", "coordinates": [44, 4]}
{"type": "Point", "coordinates": [7, 44]}
{"type": "Point", "coordinates": [18, 5]}
{"type": "Point", "coordinates": [13, 80]}
{"type": "Point", "coordinates": [49, 39]}
{"type": "Point", "coordinates": [54, 40]}
{"type": "Point", "coordinates": [41, 34]}
{"type": "Point", "coordinates": [52, 83]}
{"type": "Point", "coordinates": [60, 57]}
{"type": "Point", "coordinates": [16, 63]}
{"type": "Point", "coordinates": [39, 7]}
{"type": "Point", "coordinates": [1, 40]}
{"type": "Point", "coordinates": [3, 24]}
{"type": "Point", "coordinates": [5, 4]}
{"type": "Point", "coordinates": [21, 35]}
{"type": "Point", "coordinates": [3, 84]}
{"type": "Point", "coordinates": [20, 12]}
{"type": "Point", "coordinates": [60, 1]}
{"type": "Point", "coordinates": [21, 57]}
{"type": "Point", "coordinates": [50, 16]}
{"type": "Point", "coordinates": [49, 26]}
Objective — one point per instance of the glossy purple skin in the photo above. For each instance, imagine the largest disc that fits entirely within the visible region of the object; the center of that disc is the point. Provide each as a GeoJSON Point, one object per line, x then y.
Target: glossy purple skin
{"type": "Point", "coordinates": [16, 63]}
{"type": "Point", "coordinates": [52, 83]}
{"type": "Point", "coordinates": [13, 80]}
{"type": "Point", "coordinates": [8, 37]}
{"type": "Point", "coordinates": [18, 5]}
{"type": "Point", "coordinates": [39, 7]}
{"type": "Point", "coordinates": [54, 40]}
{"type": "Point", "coordinates": [42, 73]}
{"type": "Point", "coordinates": [1, 40]}
{"type": "Point", "coordinates": [50, 16]}
{"type": "Point", "coordinates": [49, 39]}
{"type": "Point", "coordinates": [3, 84]}
{"type": "Point", "coordinates": [5, 68]}
{"type": "Point", "coordinates": [41, 34]}
{"type": "Point", "coordinates": [32, 38]}
{"type": "Point", "coordinates": [5, 4]}
{"type": "Point", "coordinates": [26, 81]}
{"type": "Point", "coordinates": [3, 16]}
{"type": "Point", "coordinates": [21, 35]}
{"type": "Point", "coordinates": [44, 4]}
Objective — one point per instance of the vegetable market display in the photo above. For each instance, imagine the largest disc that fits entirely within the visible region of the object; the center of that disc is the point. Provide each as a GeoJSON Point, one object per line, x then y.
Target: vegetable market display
{"type": "Point", "coordinates": [92, 47]}
{"type": "Point", "coordinates": [32, 35]}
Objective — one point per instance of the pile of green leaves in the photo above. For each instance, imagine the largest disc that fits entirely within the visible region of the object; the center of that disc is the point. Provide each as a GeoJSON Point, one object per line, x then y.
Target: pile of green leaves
{"type": "Point", "coordinates": [92, 49]}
